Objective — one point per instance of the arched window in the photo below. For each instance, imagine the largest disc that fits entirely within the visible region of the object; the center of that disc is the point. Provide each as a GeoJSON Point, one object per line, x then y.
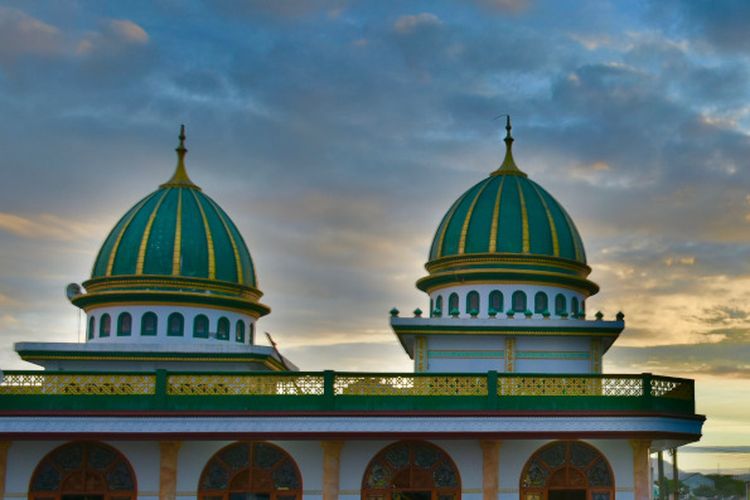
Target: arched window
{"type": "Point", "coordinates": [200, 326]}
{"type": "Point", "coordinates": [561, 306]}
{"type": "Point", "coordinates": [148, 324]}
{"type": "Point", "coordinates": [496, 301]}
{"type": "Point", "coordinates": [251, 334]}
{"type": "Point", "coordinates": [567, 468]}
{"type": "Point", "coordinates": [439, 306]}
{"type": "Point", "coordinates": [239, 331]}
{"type": "Point", "coordinates": [574, 307]}
{"type": "Point", "coordinates": [453, 303]}
{"type": "Point", "coordinates": [83, 470]}
{"type": "Point", "coordinates": [92, 325]}
{"type": "Point", "coordinates": [124, 325]}
{"type": "Point", "coordinates": [519, 301]}
{"type": "Point", "coordinates": [105, 325]}
{"type": "Point", "coordinates": [540, 302]}
{"type": "Point", "coordinates": [222, 329]}
{"type": "Point", "coordinates": [472, 302]}
{"type": "Point", "coordinates": [175, 325]}
{"type": "Point", "coordinates": [255, 470]}
{"type": "Point", "coordinates": [411, 469]}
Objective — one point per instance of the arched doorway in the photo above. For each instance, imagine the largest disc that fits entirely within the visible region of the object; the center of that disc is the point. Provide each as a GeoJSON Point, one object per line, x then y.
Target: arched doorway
{"type": "Point", "coordinates": [250, 471]}
{"type": "Point", "coordinates": [83, 471]}
{"type": "Point", "coordinates": [567, 470]}
{"type": "Point", "coordinates": [411, 470]}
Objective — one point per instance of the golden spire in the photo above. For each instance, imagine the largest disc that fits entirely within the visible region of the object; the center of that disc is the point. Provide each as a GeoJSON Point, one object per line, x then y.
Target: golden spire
{"type": "Point", "coordinates": [508, 166]}
{"type": "Point", "coordinates": [180, 177]}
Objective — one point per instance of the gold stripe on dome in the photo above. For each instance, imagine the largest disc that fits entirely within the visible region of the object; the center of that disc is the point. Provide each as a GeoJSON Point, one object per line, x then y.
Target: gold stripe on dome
{"type": "Point", "coordinates": [467, 219]}
{"type": "Point", "coordinates": [209, 239]}
{"type": "Point", "coordinates": [552, 227]}
{"type": "Point", "coordinates": [465, 280]}
{"type": "Point", "coordinates": [147, 233]}
{"type": "Point", "coordinates": [495, 217]}
{"type": "Point", "coordinates": [138, 282]}
{"type": "Point", "coordinates": [237, 261]}
{"type": "Point", "coordinates": [113, 253]}
{"type": "Point", "coordinates": [448, 218]}
{"type": "Point", "coordinates": [175, 303]}
{"type": "Point", "coordinates": [524, 217]}
{"type": "Point", "coordinates": [176, 255]}
{"type": "Point", "coordinates": [576, 242]}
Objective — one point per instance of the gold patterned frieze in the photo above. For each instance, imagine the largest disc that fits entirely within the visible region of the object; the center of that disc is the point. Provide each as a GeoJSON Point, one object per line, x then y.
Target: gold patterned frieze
{"type": "Point", "coordinates": [245, 385]}
{"type": "Point", "coordinates": [404, 385]}
{"type": "Point", "coordinates": [76, 384]}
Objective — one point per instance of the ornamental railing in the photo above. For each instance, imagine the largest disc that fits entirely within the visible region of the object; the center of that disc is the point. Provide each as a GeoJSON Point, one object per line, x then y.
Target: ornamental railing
{"type": "Point", "coordinates": [345, 391]}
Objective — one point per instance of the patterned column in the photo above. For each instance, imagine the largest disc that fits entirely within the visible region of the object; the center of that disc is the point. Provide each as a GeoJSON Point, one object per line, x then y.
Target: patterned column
{"type": "Point", "coordinates": [641, 468]}
{"type": "Point", "coordinates": [4, 445]}
{"type": "Point", "coordinates": [490, 468]}
{"type": "Point", "coordinates": [168, 469]}
{"type": "Point", "coordinates": [331, 468]}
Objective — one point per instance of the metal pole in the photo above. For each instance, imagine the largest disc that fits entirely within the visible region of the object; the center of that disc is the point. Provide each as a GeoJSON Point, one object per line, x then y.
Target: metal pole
{"type": "Point", "coordinates": [660, 463]}
{"type": "Point", "coordinates": [675, 476]}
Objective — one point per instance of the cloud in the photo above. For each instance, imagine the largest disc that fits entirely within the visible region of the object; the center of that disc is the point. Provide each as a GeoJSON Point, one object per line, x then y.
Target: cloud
{"type": "Point", "coordinates": [511, 6]}
{"type": "Point", "coordinates": [44, 227]}
{"type": "Point", "coordinates": [410, 23]}
{"type": "Point", "coordinates": [128, 31]}
{"type": "Point", "coordinates": [21, 34]}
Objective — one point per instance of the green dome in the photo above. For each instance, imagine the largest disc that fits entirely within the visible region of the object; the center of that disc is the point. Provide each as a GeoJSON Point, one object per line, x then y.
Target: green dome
{"type": "Point", "coordinates": [507, 213]}
{"type": "Point", "coordinates": [178, 232]}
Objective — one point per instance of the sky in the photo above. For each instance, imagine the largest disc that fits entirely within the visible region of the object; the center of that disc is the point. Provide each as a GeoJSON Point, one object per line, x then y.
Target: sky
{"type": "Point", "coordinates": [337, 133]}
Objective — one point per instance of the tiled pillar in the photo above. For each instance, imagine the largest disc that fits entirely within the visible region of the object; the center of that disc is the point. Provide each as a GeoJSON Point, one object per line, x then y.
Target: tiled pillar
{"type": "Point", "coordinates": [490, 468]}
{"type": "Point", "coordinates": [641, 468]}
{"type": "Point", "coordinates": [331, 467]}
{"type": "Point", "coordinates": [4, 445]}
{"type": "Point", "coordinates": [168, 469]}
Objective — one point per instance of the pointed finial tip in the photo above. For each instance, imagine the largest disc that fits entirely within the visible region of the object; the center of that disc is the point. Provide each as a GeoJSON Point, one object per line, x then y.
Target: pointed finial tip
{"type": "Point", "coordinates": [508, 127]}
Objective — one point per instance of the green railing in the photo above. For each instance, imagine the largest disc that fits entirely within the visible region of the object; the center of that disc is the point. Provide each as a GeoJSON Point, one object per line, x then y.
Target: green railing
{"type": "Point", "coordinates": [343, 391]}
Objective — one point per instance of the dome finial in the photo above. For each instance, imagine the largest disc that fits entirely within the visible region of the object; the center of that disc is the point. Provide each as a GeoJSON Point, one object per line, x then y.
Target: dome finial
{"type": "Point", "coordinates": [180, 177]}
{"type": "Point", "coordinates": [508, 167]}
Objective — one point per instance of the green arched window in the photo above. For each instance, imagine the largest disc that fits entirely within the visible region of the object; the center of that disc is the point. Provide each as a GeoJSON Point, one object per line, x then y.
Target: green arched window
{"type": "Point", "coordinates": [438, 311]}
{"type": "Point", "coordinates": [200, 326]}
{"type": "Point", "coordinates": [105, 325]}
{"type": "Point", "coordinates": [222, 329]}
{"type": "Point", "coordinates": [472, 302]}
{"type": "Point", "coordinates": [92, 325]}
{"type": "Point", "coordinates": [148, 324]}
{"type": "Point", "coordinates": [251, 333]}
{"type": "Point", "coordinates": [175, 325]}
{"type": "Point", "coordinates": [453, 303]}
{"type": "Point", "coordinates": [561, 305]}
{"type": "Point", "coordinates": [124, 325]}
{"type": "Point", "coordinates": [519, 301]}
{"type": "Point", "coordinates": [496, 301]}
{"type": "Point", "coordinates": [540, 302]}
{"type": "Point", "coordinates": [574, 307]}
{"type": "Point", "coordinates": [239, 331]}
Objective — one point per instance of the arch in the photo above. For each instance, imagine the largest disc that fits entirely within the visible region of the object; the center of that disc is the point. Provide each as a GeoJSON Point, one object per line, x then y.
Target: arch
{"type": "Point", "coordinates": [124, 325]}
{"type": "Point", "coordinates": [574, 307]}
{"type": "Point", "coordinates": [200, 326]}
{"type": "Point", "coordinates": [241, 470]}
{"type": "Point", "coordinates": [175, 325]}
{"type": "Point", "coordinates": [438, 306]}
{"type": "Point", "coordinates": [83, 469]}
{"type": "Point", "coordinates": [149, 324]}
{"type": "Point", "coordinates": [567, 466]}
{"type": "Point", "coordinates": [251, 333]}
{"type": "Point", "coordinates": [472, 302]}
{"type": "Point", "coordinates": [561, 305]}
{"type": "Point", "coordinates": [239, 331]}
{"type": "Point", "coordinates": [519, 301]}
{"type": "Point", "coordinates": [496, 301]}
{"type": "Point", "coordinates": [453, 303]}
{"type": "Point", "coordinates": [105, 325]}
{"type": "Point", "coordinates": [92, 326]}
{"type": "Point", "coordinates": [417, 467]}
{"type": "Point", "coordinates": [541, 302]}
{"type": "Point", "coordinates": [222, 329]}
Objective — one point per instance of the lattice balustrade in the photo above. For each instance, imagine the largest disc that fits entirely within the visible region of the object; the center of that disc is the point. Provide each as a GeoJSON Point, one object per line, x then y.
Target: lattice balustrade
{"type": "Point", "coordinates": [569, 386]}
{"type": "Point", "coordinates": [245, 385]}
{"type": "Point", "coordinates": [77, 384]}
{"type": "Point", "coordinates": [671, 388]}
{"type": "Point", "coordinates": [404, 385]}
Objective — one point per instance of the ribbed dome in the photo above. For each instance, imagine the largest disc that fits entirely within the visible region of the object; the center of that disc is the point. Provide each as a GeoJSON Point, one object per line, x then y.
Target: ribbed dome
{"type": "Point", "coordinates": [176, 231]}
{"type": "Point", "coordinates": [507, 214]}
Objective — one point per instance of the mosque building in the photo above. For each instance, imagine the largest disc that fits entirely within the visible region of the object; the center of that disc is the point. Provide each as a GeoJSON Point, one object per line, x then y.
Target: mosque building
{"type": "Point", "coordinates": [171, 396]}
